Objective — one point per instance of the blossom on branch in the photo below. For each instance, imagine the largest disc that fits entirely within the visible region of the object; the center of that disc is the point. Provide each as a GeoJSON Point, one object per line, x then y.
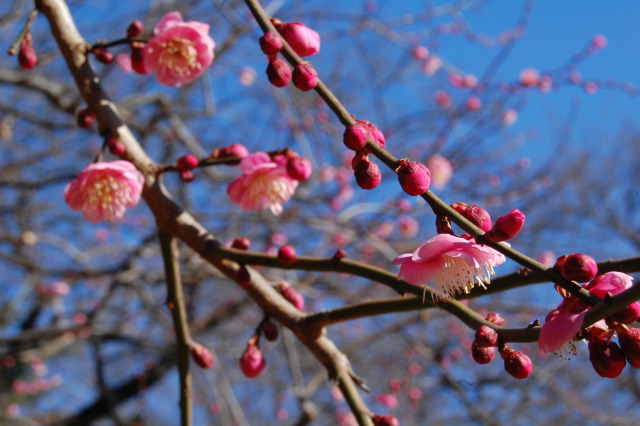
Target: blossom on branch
{"type": "Point", "coordinates": [451, 264]}
{"type": "Point", "coordinates": [103, 191]}
{"type": "Point", "coordinates": [180, 51]}
{"type": "Point", "coordinates": [264, 183]}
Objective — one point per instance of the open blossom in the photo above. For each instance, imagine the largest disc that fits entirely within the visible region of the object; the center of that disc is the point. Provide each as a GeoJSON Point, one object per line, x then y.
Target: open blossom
{"type": "Point", "coordinates": [451, 264]}
{"type": "Point", "coordinates": [180, 51]}
{"type": "Point", "coordinates": [264, 183]}
{"type": "Point", "coordinates": [103, 191]}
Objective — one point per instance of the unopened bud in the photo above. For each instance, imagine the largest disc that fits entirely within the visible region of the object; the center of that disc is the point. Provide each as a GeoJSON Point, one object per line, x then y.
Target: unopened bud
{"type": "Point", "coordinates": [474, 214]}
{"type": "Point", "coordinates": [305, 76]}
{"type": "Point", "coordinates": [135, 29]}
{"type": "Point", "coordinates": [241, 243]}
{"type": "Point", "coordinates": [292, 295]}
{"type": "Point", "coordinates": [85, 118]}
{"type": "Point", "coordinates": [627, 315]}
{"type": "Point", "coordinates": [414, 177]}
{"type": "Point", "coordinates": [302, 39]}
{"type": "Point", "coordinates": [287, 255]}
{"type": "Point", "coordinates": [367, 174]}
{"type": "Point", "coordinates": [186, 176]}
{"type": "Point", "coordinates": [137, 58]}
{"type": "Point", "coordinates": [629, 338]}
{"type": "Point", "coordinates": [116, 147]}
{"type": "Point", "coordinates": [187, 162]}
{"type": "Point", "coordinates": [516, 363]}
{"type": "Point", "coordinates": [278, 72]}
{"type": "Point", "coordinates": [270, 331]}
{"type": "Point", "coordinates": [356, 135]}
{"type": "Point", "coordinates": [299, 168]}
{"type": "Point", "coordinates": [606, 357]}
{"type": "Point", "coordinates": [506, 227]}
{"type": "Point", "coordinates": [486, 336]}
{"type": "Point", "coordinates": [201, 355]}
{"type": "Point", "coordinates": [577, 267]}
{"type": "Point", "coordinates": [103, 55]}
{"type": "Point", "coordinates": [252, 362]}
{"type": "Point", "coordinates": [233, 150]}
{"type": "Point", "coordinates": [385, 420]}
{"type": "Point", "coordinates": [270, 43]}
{"type": "Point", "coordinates": [482, 354]}
{"type": "Point", "coordinates": [339, 254]}
{"type": "Point", "coordinates": [495, 318]}
{"type": "Point", "coordinates": [27, 57]}
{"type": "Point", "coordinates": [242, 276]}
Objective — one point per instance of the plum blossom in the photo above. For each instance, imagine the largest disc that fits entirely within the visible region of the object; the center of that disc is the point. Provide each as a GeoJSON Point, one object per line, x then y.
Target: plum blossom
{"type": "Point", "coordinates": [451, 264]}
{"type": "Point", "coordinates": [180, 51]}
{"type": "Point", "coordinates": [441, 171]}
{"type": "Point", "coordinates": [264, 183]}
{"type": "Point", "coordinates": [104, 190]}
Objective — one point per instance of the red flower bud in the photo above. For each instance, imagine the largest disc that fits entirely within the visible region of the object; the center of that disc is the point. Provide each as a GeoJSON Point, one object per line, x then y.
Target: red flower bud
{"type": "Point", "coordinates": [186, 176]}
{"type": "Point", "coordinates": [339, 254]}
{"type": "Point", "coordinates": [252, 362]}
{"type": "Point", "coordinates": [292, 295]}
{"type": "Point", "coordinates": [85, 118]}
{"type": "Point", "coordinates": [270, 331]}
{"type": "Point", "coordinates": [606, 357]}
{"type": "Point", "coordinates": [27, 57]}
{"type": "Point", "coordinates": [241, 243]}
{"type": "Point", "coordinates": [201, 355]}
{"type": "Point", "coordinates": [577, 267]}
{"type": "Point", "coordinates": [474, 214]}
{"type": "Point", "coordinates": [627, 315]}
{"type": "Point", "coordinates": [287, 255]}
{"type": "Point", "coordinates": [305, 76]}
{"type": "Point", "coordinates": [486, 336]}
{"type": "Point", "coordinates": [116, 147]}
{"type": "Point", "coordinates": [233, 150]}
{"type": "Point", "coordinates": [506, 227]}
{"type": "Point", "coordinates": [187, 162]}
{"type": "Point", "coordinates": [629, 338]}
{"type": "Point", "coordinates": [385, 420]}
{"type": "Point", "coordinates": [367, 174]}
{"type": "Point", "coordinates": [482, 354]}
{"type": "Point", "coordinates": [356, 135]}
{"type": "Point", "coordinates": [270, 43]}
{"type": "Point", "coordinates": [135, 29]}
{"type": "Point", "coordinates": [302, 39]}
{"type": "Point", "coordinates": [414, 177]}
{"type": "Point", "coordinates": [242, 276]}
{"type": "Point", "coordinates": [495, 318]}
{"type": "Point", "coordinates": [299, 168]}
{"type": "Point", "coordinates": [137, 58]}
{"type": "Point", "coordinates": [278, 72]}
{"type": "Point", "coordinates": [516, 363]}
{"type": "Point", "coordinates": [103, 55]}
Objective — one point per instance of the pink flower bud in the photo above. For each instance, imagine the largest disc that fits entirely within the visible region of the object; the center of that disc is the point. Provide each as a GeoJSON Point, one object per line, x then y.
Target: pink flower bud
{"type": "Point", "coordinates": [482, 354]}
{"type": "Point", "coordinates": [135, 29]}
{"type": "Point", "coordinates": [367, 174]}
{"type": "Point", "coordinates": [474, 214]}
{"type": "Point", "coordinates": [270, 43]}
{"type": "Point", "coordinates": [486, 336]}
{"type": "Point", "coordinates": [516, 363]}
{"type": "Point", "coordinates": [473, 103]}
{"type": "Point", "coordinates": [287, 255]}
{"type": "Point", "coordinates": [27, 57]}
{"type": "Point", "coordinates": [629, 338]}
{"type": "Point", "coordinates": [186, 176]}
{"type": "Point", "coordinates": [305, 76]}
{"type": "Point", "coordinates": [577, 267]}
{"type": "Point", "coordinates": [241, 243]}
{"type": "Point", "coordinates": [233, 150]}
{"type": "Point", "coordinates": [299, 168]}
{"type": "Point", "coordinates": [292, 295]}
{"type": "Point", "coordinates": [414, 177]}
{"type": "Point", "coordinates": [385, 420]}
{"type": "Point", "coordinates": [137, 58]}
{"type": "Point", "coordinates": [606, 357]}
{"type": "Point", "coordinates": [103, 55]}
{"type": "Point", "coordinates": [252, 362]}
{"type": "Point", "coordinates": [270, 331]}
{"type": "Point", "coordinates": [187, 162]}
{"type": "Point", "coordinates": [420, 52]}
{"type": "Point", "coordinates": [599, 41]}
{"type": "Point", "coordinates": [495, 318]}
{"type": "Point", "coordinates": [529, 77]}
{"type": "Point", "coordinates": [242, 276]}
{"type": "Point", "coordinates": [506, 227]}
{"type": "Point", "coordinates": [201, 355]}
{"type": "Point", "coordinates": [116, 147]}
{"type": "Point", "coordinates": [356, 135]}
{"type": "Point", "coordinates": [442, 99]}
{"type": "Point", "coordinates": [278, 72]}
{"type": "Point", "coordinates": [85, 118]}
{"type": "Point", "coordinates": [627, 315]}
{"type": "Point", "coordinates": [302, 39]}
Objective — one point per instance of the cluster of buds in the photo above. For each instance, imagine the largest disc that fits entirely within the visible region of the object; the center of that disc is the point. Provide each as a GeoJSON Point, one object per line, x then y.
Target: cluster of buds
{"type": "Point", "coordinates": [185, 166]}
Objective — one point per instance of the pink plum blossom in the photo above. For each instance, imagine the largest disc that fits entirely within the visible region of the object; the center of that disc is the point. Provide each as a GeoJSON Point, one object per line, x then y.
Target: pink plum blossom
{"type": "Point", "coordinates": [451, 264]}
{"type": "Point", "coordinates": [264, 183]}
{"type": "Point", "coordinates": [180, 51]}
{"type": "Point", "coordinates": [103, 191]}
{"type": "Point", "coordinates": [441, 171]}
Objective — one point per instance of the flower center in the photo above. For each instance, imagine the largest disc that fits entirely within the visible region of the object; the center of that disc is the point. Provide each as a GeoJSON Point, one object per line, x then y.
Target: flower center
{"type": "Point", "coordinates": [105, 197]}
{"type": "Point", "coordinates": [180, 56]}
{"type": "Point", "coordinates": [457, 276]}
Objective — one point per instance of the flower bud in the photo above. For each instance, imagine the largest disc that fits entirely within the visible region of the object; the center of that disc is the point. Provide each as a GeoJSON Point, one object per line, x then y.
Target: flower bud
{"type": "Point", "coordinates": [482, 354]}
{"type": "Point", "coordinates": [627, 315]}
{"type": "Point", "coordinates": [506, 227]}
{"type": "Point", "coordinates": [201, 355]}
{"type": "Point", "coordinates": [629, 338]}
{"type": "Point", "coordinates": [577, 267]}
{"type": "Point", "coordinates": [242, 276]}
{"type": "Point", "coordinates": [116, 147]}
{"type": "Point", "coordinates": [292, 295]}
{"type": "Point", "coordinates": [414, 177]}
{"type": "Point", "coordinates": [356, 135]}
{"type": "Point", "coordinates": [270, 331]}
{"type": "Point", "coordinates": [385, 420]}
{"type": "Point", "coordinates": [339, 254]}
{"type": "Point", "coordinates": [85, 118]}
{"type": "Point", "coordinates": [135, 29]}
{"type": "Point", "coordinates": [278, 72]}
{"type": "Point", "coordinates": [516, 363]}
{"type": "Point", "coordinates": [241, 243]}
{"type": "Point", "coordinates": [367, 174]}
{"type": "Point", "coordinates": [529, 77]}
{"type": "Point", "coordinates": [137, 58]}
{"type": "Point", "coordinates": [305, 76]}
{"type": "Point", "coordinates": [186, 176]}
{"type": "Point", "coordinates": [27, 57]}
{"type": "Point", "coordinates": [302, 39]}
{"type": "Point", "coordinates": [233, 150]}
{"type": "Point", "coordinates": [474, 214]}
{"type": "Point", "coordinates": [299, 168]}
{"type": "Point", "coordinates": [606, 357]}
{"type": "Point", "coordinates": [287, 255]}
{"type": "Point", "coordinates": [252, 362]}
{"type": "Point", "coordinates": [270, 43]}
{"type": "Point", "coordinates": [495, 318]}
{"type": "Point", "coordinates": [103, 55]}
{"type": "Point", "coordinates": [486, 336]}
{"type": "Point", "coordinates": [187, 162]}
